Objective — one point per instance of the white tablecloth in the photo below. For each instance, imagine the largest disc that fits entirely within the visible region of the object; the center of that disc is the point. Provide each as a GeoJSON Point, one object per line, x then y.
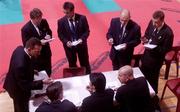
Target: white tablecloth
{"type": "Point", "coordinates": [75, 87]}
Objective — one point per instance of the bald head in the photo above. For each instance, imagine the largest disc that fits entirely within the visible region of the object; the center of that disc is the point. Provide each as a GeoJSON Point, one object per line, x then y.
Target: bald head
{"type": "Point", "coordinates": [125, 16]}
{"type": "Point", "coordinates": [126, 70]}
{"type": "Point", "coordinates": [125, 73]}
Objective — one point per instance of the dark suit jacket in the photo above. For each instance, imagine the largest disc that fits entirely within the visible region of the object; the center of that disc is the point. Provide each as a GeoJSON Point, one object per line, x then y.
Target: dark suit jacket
{"type": "Point", "coordinates": [131, 37]}
{"type": "Point", "coordinates": [58, 106]}
{"type": "Point", "coordinates": [19, 80]}
{"type": "Point", "coordinates": [29, 31]}
{"type": "Point", "coordinates": [81, 26]}
{"type": "Point", "coordinates": [98, 102]}
{"type": "Point", "coordinates": [163, 40]}
{"type": "Point", "coordinates": [134, 96]}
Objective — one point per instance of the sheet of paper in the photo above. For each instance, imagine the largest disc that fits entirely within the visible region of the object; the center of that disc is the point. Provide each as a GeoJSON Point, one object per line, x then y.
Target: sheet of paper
{"type": "Point", "coordinates": [41, 75]}
{"type": "Point", "coordinates": [34, 104]}
{"type": "Point", "coordinates": [113, 85]}
{"type": "Point", "coordinates": [73, 96]}
{"type": "Point", "coordinates": [75, 43]}
{"type": "Point", "coordinates": [49, 40]}
{"type": "Point", "coordinates": [150, 46]}
{"type": "Point", "coordinates": [119, 47]}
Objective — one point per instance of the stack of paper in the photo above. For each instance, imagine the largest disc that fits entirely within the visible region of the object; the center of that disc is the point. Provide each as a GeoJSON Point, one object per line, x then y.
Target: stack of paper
{"type": "Point", "coordinates": [113, 85]}
{"type": "Point", "coordinates": [72, 96]}
{"type": "Point", "coordinates": [150, 46]}
{"type": "Point", "coordinates": [41, 75]}
{"type": "Point", "coordinates": [120, 46]}
{"type": "Point", "coordinates": [76, 42]}
{"type": "Point", "coordinates": [49, 40]}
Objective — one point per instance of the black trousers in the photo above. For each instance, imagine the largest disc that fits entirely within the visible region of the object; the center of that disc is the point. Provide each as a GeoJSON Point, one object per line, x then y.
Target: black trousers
{"type": "Point", "coordinates": [21, 103]}
{"type": "Point", "coordinates": [120, 61]}
{"type": "Point", "coordinates": [43, 63]}
{"type": "Point", "coordinates": [80, 51]}
{"type": "Point", "coordinates": [152, 75]}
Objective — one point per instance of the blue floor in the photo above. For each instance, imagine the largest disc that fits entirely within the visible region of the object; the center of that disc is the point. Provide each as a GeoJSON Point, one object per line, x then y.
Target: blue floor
{"type": "Point", "coordinates": [98, 6]}
{"type": "Point", "coordinates": [10, 12]}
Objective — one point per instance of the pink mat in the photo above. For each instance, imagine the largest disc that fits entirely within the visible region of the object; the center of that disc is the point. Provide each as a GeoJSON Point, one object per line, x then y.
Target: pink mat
{"type": "Point", "coordinates": [141, 11]}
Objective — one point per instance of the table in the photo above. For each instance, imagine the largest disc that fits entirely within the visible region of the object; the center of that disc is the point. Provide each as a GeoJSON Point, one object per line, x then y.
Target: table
{"type": "Point", "coordinates": [75, 87]}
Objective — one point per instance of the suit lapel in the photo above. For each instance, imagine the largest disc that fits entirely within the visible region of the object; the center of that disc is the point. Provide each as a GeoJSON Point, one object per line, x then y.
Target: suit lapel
{"type": "Point", "coordinates": [126, 31]}
{"type": "Point", "coordinates": [67, 25]}
{"type": "Point", "coordinates": [159, 34]}
{"type": "Point", "coordinates": [34, 31]}
{"type": "Point", "coordinates": [161, 30]}
{"type": "Point", "coordinates": [119, 25]}
{"type": "Point", "coordinates": [157, 39]}
{"type": "Point", "coordinates": [76, 22]}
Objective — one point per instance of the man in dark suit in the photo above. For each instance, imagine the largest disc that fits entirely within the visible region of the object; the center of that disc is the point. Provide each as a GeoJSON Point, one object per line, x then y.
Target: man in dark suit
{"type": "Point", "coordinates": [73, 31]}
{"type": "Point", "coordinates": [19, 80]}
{"type": "Point", "coordinates": [100, 100]}
{"type": "Point", "coordinates": [55, 94]}
{"type": "Point", "coordinates": [134, 95]}
{"type": "Point", "coordinates": [39, 28]}
{"type": "Point", "coordinates": [160, 34]}
{"type": "Point", "coordinates": [126, 33]}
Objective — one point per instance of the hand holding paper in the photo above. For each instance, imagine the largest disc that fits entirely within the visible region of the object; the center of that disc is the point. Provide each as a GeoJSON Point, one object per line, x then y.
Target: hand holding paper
{"type": "Point", "coordinates": [47, 37]}
{"type": "Point", "coordinates": [120, 46]}
{"type": "Point", "coordinates": [76, 42]}
{"type": "Point", "coordinates": [47, 81]}
{"type": "Point", "coordinates": [49, 40]}
{"type": "Point", "coordinates": [150, 46]}
{"type": "Point", "coordinates": [42, 75]}
{"type": "Point", "coordinates": [80, 41]}
{"type": "Point", "coordinates": [44, 41]}
{"type": "Point", "coordinates": [69, 44]}
{"type": "Point", "coordinates": [144, 40]}
{"type": "Point", "coordinates": [110, 41]}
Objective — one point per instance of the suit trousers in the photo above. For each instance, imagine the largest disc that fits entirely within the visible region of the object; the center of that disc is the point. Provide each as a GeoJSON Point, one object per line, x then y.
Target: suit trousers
{"type": "Point", "coordinates": [81, 51]}
{"type": "Point", "coordinates": [21, 104]}
{"type": "Point", "coordinates": [120, 61]}
{"type": "Point", "coordinates": [43, 63]}
{"type": "Point", "coordinates": [152, 75]}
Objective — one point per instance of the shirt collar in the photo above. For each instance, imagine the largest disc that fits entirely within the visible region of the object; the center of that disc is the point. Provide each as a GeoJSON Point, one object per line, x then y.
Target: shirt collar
{"type": "Point", "coordinates": [27, 52]}
{"type": "Point", "coordinates": [72, 18]}
{"type": "Point", "coordinates": [159, 28]}
{"type": "Point", "coordinates": [34, 24]}
{"type": "Point", "coordinates": [124, 27]}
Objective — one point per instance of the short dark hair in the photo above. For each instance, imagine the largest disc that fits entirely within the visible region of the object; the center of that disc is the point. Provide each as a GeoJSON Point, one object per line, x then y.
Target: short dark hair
{"type": "Point", "coordinates": [35, 13]}
{"type": "Point", "coordinates": [68, 6]}
{"type": "Point", "coordinates": [98, 80]}
{"type": "Point", "coordinates": [32, 42]}
{"type": "Point", "coordinates": [159, 15]}
{"type": "Point", "coordinates": [54, 90]}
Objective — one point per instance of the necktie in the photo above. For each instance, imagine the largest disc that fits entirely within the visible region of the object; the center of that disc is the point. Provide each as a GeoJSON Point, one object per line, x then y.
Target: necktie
{"type": "Point", "coordinates": [72, 25]}
{"type": "Point", "coordinates": [73, 29]}
{"type": "Point", "coordinates": [155, 32]}
{"type": "Point", "coordinates": [121, 33]}
{"type": "Point", "coordinates": [38, 31]}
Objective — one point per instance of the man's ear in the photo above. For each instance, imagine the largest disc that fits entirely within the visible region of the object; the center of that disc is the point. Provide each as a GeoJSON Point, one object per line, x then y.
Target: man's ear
{"type": "Point", "coordinates": [93, 88]}
{"type": "Point", "coordinates": [61, 96]}
{"type": "Point", "coordinates": [127, 78]}
{"type": "Point", "coordinates": [28, 49]}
